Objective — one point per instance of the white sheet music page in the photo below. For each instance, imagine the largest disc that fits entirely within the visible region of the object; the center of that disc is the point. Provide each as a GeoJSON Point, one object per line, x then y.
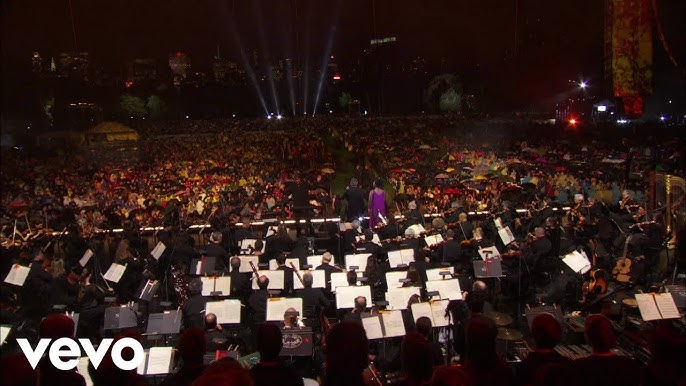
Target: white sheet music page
{"type": "Point", "coordinates": [345, 296]}
{"type": "Point", "coordinates": [207, 285]}
{"type": "Point", "coordinates": [159, 360]}
{"type": "Point", "coordinates": [395, 258]}
{"type": "Point", "coordinates": [489, 252]}
{"type": "Point", "coordinates": [577, 262]}
{"type": "Point", "coordinates": [158, 250]}
{"type": "Point", "coordinates": [393, 278]}
{"type": "Point", "coordinates": [227, 311]}
{"type": "Point", "coordinates": [318, 277]}
{"type": "Point", "coordinates": [438, 312]}
{"type": "Point", "coordinates": [357, 260]}
{"type": "Point", "coordinates": [141, 368]}
{"type": "Point", "coordinates": [4, 332]}
{"type": "Point", "coordinates": [18, 274]}
{"type": "Point", "coordinates": [338, 279]}
{"type": "Point", "coordinates": [223, 285]}
{"type": "Point", "coordinates": [397, 298]}
{"type": "Point", "coordinates": [86, 257]}
{"type": "Point", "coordinates": [648, 307]}
{"type": "Point", "coordinates": [448, 289]}
{"type": "Point", "coordinates": [275, 279]}
{"type": "Point", "coordinates": [115, 272]}
{"type": "Point", "coordinates": [245, 263]}
{"type": "Point", "coordinates": [667, 306]}
{"type": "Point", "coordinates": [393, 323]}
{"type": "Point", "coordinates": [435, 273]}
{"type": "Point", "coordinates": [273, 264]}
{"type": "Point", "coordinates": [433, 240]}
{"type": "Point", "coordinates": [421, 309]}
{"type": "Point", "coordinates": [276, 308]}
{"type": "Point", "coordinates": [372, 326]}
{"type": "Point", "coordinates": [506, 235]}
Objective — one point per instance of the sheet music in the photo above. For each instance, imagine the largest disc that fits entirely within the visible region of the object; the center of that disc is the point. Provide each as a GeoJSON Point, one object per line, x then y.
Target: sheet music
{"type": "Point", "coordinates": [438, 312]}
{"type": "Point", "coordinates": [345, 226]}
{"type": "Point", "coordinates": [506, 235]}
{"type": "Point", "coordinates": [399, 257]}
{"type": "Point", "coordinates": [316, 260]}
{"type": "Point", "coordinates": [158, 250]}
{"type": "Point", "coordinates": [82, 368]}
{"type": "Point", "coordinates": [207, 285]}
{"type": "Point", "coordinates": [498, 223]}
{"type": "Point", "coordinates": [667, 306]}
{"type": "Point", "coordinates": [448, 289]}
{"type": "Point", "coordinates": [276, 307]}
{"type": "Point", "coordinates": [275, 279]}
{"type": "Point", "coordinates": [648, 307]}
{"type": "Point", "coordinates": [393, 278]}
{"type": "Point", "coordinates": [417, 229]}
{"type": "Point", "coordinates": [273, 265]}
{"type": "Point", "coordinates": [435, 273]}
{"type": "Point", "coordinates": [271, 230]}
{"type": "Point", "coordinates": [338, 279]}
{"type": "Point", "coordinates": [4, 332]}
{"type": "Point", "coordinates": [245, 263]}
{"type": "Point", "coordinates": [345, 296]}
{"type": "Point", "coordinates": [250, 244]}
{"type": "Point", "coordinates": [372, 326]}
{"type": "Point", "coordinates": [141, 367]}
{"type": "Point", "coordinates": [86, 257]}
{"type": "Point", "coordinates": [115, 272]}
{"type": "Point", "coordinates": [17, 275]}
{"type": "Point", "coordinates": [393, 323]}
{"type": "Point", "coordinates": [489, 252]}
{"type": "Point", "coordinates": [577, 262]}
{"type": "Point", "coordinates": [422, 309]}
{"type": "Point", "coordinates": [433, 240]}
{"type": "Point", "coordinates": [397, 298]}
{"type": "Point", "coordinates": [223, 284]}
{"type": "Point", "coordinates": [319, 279]}
{"type": "Point", "coordinates": [357, 260]}
{"type": "Point", "coordinates": [159, 360]}
{"type": "Point", "coordinates": [227, 311]}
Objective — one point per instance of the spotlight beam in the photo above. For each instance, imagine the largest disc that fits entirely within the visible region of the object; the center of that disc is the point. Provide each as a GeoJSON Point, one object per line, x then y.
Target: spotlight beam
{"type": "Point", "coordinates": [267, 56]}
{"type": "Point", "coordinates": [327, 55]}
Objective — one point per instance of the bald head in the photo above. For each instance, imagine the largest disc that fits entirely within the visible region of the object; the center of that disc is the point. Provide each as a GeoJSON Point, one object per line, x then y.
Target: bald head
{"type": "Point", "coordinates": [360, 304]}
{"type": "Point", "coordinates": [210, 321]}
{"type": "Point", "coordinates": [263, 282]}
{"type": "Point", "coordinates": [479, 286]}
{"type": "Point", "coordinates": [235, 263]}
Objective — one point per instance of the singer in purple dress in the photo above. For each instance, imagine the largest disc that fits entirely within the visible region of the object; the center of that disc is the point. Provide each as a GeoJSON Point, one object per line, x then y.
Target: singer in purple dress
{"type": "Point", "coordinates": [377, 204]}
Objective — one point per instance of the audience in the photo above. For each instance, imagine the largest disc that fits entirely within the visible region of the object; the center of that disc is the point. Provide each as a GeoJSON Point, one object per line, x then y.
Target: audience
{"type": "Point", "coordinates": [546, 332]}
{"type": "Point", "coordinates": [347, 354]}
{"type": "Point", "coordinates": [271, 372]}
{"type": "Point", "coordinates": [190, 350]}
{"type": "Point", "coordinates": [481, 359]}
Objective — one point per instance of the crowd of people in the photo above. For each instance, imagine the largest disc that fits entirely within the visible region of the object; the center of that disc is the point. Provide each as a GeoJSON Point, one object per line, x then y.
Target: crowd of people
{"type": "Point", "coordinates": [409, 178]}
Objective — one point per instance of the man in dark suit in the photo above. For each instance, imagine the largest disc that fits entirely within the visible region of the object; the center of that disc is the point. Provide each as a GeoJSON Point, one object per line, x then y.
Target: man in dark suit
{"type": "Point", "coordinates": [194, 307]}
{"type": "Point", "coordinates": [466, 229]}
{"type": "Point", "coordinates": [313, 301]}
{"type": "Point", "coordinates": [240, 282]}
{"type": "Point", "coordinates": [287, 275]}
{"type": "Point", "coordinates": [258, 301]}
{"type": "Point", "coordinates": [327, 268]}
{"type": "Point", "coordinates": [355, 197]}
{"type": "Point", "coordinates": [449, 251]}
{"type": "Point", "coordinates": [215, 249]}
{"type": "Point", "coordinates": [214, 336]}
{"type": "Point", "coordinates": [359, 312]}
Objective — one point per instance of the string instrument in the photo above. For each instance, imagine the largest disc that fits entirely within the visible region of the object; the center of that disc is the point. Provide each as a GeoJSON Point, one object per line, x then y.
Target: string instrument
{"type": "Point", "coordinates": [372, 376]}
{"type": "Point", "coordinates": [622, 269]}
{"type": "Point", "coordinates": [326, 327]}
{"type": "Point", "coordinates": [297, 273]}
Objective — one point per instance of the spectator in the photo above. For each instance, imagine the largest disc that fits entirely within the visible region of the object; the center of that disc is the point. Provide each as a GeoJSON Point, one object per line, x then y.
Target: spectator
{"type": "Point", "coordinates": [346, 355]}
{"type": "Point", "coordinates": [270, 372]}
{"type": "Point", "coordinates": [191, 352]}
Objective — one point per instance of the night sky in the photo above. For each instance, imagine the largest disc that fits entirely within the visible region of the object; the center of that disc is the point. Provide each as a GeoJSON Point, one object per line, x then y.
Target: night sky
{"type": "Point", "coordinates": [557, 40]}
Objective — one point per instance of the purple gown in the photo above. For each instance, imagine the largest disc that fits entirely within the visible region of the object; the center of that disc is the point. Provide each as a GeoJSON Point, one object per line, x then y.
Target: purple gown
{"type": "Point", "coordinates": [376, 206]}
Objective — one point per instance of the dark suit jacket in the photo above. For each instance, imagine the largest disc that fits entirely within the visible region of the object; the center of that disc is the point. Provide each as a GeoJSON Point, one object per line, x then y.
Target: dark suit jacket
{"type": "Point", "coordinates": [193, 311]}
{"type": "Point", "coordinates": [216, 250]}
{"type": "Point", "coordinates": [240, 285]}
{"type": "Point", "coordinates": [287, 281]}
{"type": "Point", "coordinates": [328, 270]}
{"type": "Point", "coordinates": [313, 299]}
{"type": "Point", "coordinates": [258, 305]}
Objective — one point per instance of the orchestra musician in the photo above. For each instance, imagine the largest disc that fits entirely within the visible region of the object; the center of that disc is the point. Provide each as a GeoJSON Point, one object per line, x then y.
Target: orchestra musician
{"type": "Point", "coordinates": [193, 308]}
{"type": "Point", "coordinates": [314, 301]}
{"type": "Point", "coordinates": [327, 268]}
{"type": "Point", "coordinates": [258, 301]}
{"type": "Point", "coordinates": [287, 275]}
{"type": "Point", "coordinates": [240, 282]}
{"type": "Point", "coordinates": [216, 250]}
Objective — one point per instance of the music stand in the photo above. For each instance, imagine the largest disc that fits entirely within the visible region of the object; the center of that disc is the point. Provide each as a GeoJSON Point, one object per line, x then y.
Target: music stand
{"type": "Point", "coordinates": [203, 266]}
{"type": "Point", "coordinates": [120, 317]}
{"type": "Point", "coordinates": [149, 290]}
{"type": "Point", "coordinates": [297, 342]}
{"type": "Point", "coordinates": [164, 323]}
{"type": "Point", "coordinates": [491, 268]}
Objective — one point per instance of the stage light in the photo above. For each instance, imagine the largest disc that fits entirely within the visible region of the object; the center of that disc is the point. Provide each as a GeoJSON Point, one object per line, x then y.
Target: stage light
{"type": "Point", "coordinates": [233, 115]}
{"type": "Point", "coordinates": [187, 117]}
{"type": "Point", "coordinates": [278, 117]}
{"type": "Point", "coordinates": [583, 84]}
{"type": "Point", "coordinates": [269, 117]}
{"type": "Point", "coordinates": [663, 118]}
{"type": "Point", "coordinates": [572, 121]}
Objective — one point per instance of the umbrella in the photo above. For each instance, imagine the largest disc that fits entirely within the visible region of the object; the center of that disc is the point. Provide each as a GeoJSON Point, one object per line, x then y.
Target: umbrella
{"type": "Point", "coordinates": [442, 176]}
{"type": "Point", "coordinates": [328, 170]}
{"type": "Point", "coordinates": [425, 147]}
{"type": "Point", "coordinates": [449, 170]}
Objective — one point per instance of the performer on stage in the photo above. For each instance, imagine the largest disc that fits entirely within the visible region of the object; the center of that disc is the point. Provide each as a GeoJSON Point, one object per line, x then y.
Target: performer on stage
{"type": "Point", "coordinates": [377, 204]}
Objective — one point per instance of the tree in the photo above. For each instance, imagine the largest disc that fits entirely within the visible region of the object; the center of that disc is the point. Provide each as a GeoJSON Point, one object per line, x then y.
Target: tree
{"type": "Point", "coordinates": [156, 106]}
{"type": "Point", "coordinates": [133, 106]}
{"type": "Point", "coordinates": [444, 93]}
{"type": "Point", "coordinates": [344, 101]}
